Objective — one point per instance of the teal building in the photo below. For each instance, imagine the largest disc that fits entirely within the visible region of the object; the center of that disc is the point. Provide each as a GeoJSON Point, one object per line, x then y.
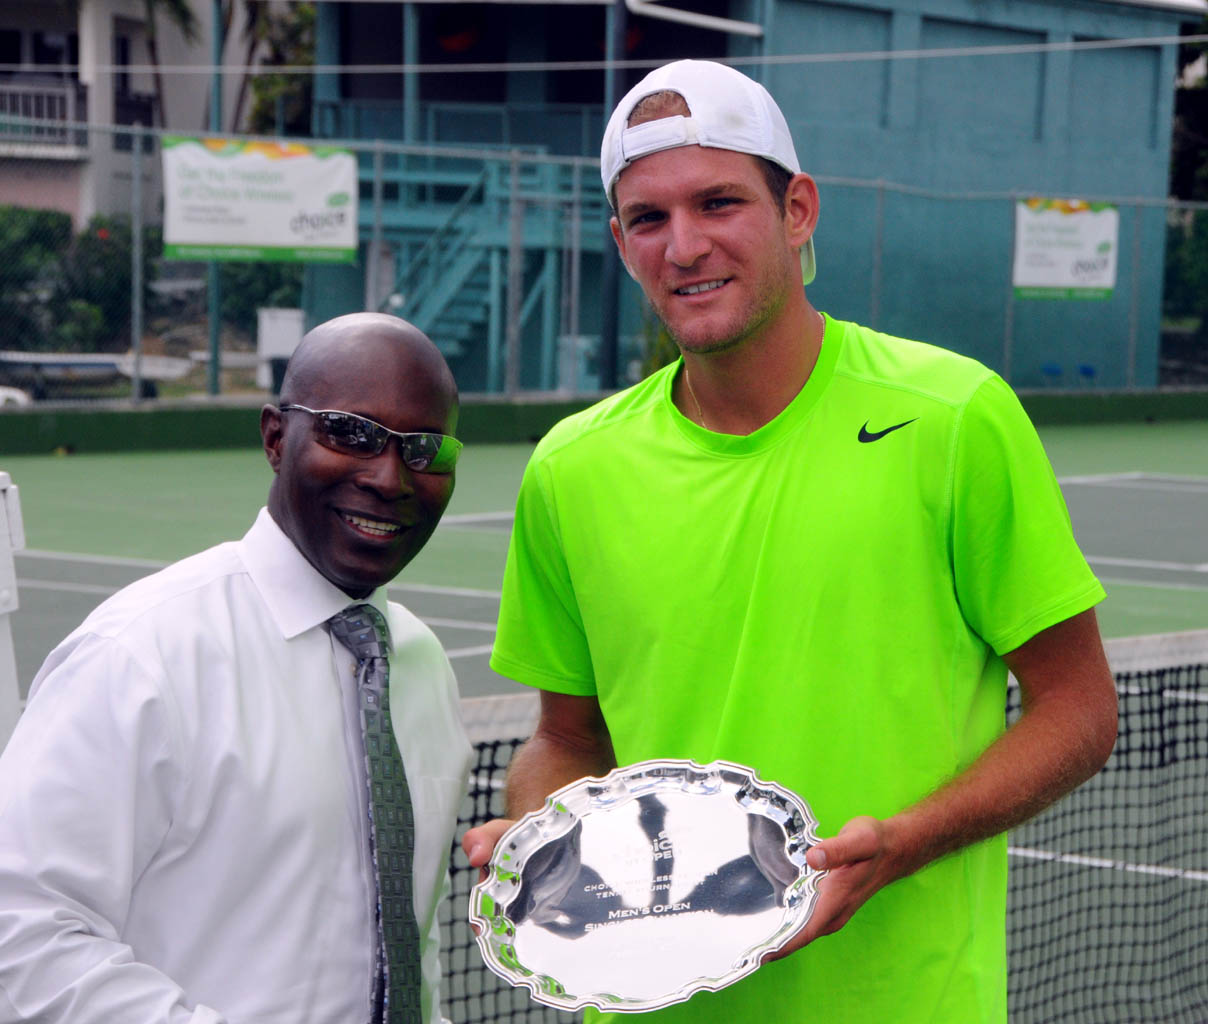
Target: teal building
{"type": "Point", "coordinates": [926, 122]}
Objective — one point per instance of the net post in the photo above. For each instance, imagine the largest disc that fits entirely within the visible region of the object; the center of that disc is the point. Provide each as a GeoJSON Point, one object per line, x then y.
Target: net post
{"type": "Point", "coordinates": [12, 538]}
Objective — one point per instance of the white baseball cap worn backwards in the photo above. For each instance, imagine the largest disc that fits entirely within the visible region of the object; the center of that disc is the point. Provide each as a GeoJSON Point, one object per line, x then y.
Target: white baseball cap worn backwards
{"type": "Point", "coordinates": [728, 111]}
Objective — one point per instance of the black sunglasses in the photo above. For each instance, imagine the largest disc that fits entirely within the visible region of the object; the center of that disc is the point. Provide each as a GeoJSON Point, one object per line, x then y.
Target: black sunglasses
{"type": "Point", "coordinates": [349, 434]}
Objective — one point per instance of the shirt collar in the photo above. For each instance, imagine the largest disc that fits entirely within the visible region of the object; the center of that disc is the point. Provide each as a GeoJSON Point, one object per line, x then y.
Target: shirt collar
{"type": "Point", "coordinates": [298, 596]}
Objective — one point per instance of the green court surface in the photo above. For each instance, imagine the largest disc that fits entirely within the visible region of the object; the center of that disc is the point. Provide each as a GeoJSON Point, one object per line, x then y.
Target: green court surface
{"type": "Point", "coordinates": [165, 505]}
{"type": "Point", "coordinates": [1137, 493]}
{"type": "Point", "coordinates": [1108, 889]}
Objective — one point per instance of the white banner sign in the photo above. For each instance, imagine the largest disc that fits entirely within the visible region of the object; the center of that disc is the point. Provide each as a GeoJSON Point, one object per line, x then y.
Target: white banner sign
{"type": "Point", "coordinates": [1065, 249]}
{"type": "Point", "coordinates": [227, 199]}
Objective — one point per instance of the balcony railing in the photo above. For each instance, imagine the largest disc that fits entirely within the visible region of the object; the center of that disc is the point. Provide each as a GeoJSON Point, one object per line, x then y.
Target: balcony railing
{"type": "Point", "coordinates": [560, 128]}
{"type": "Point", "coordinates": [47, 113]}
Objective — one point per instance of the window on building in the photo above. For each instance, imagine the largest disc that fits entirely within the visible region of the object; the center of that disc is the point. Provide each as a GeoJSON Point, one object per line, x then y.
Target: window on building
{"type": "Point", "coordinates": [449, 34]}
{"type": "Point", "coordinates": [452, 34]}
{"type": "Point", "coordinates": [59, 50]}
{"type": "Point", "coordinates": [121, 61]}
{"type": "Point", "coordinates": [10, 50]}
{"type": "Point", "coordinates": [577, 33]}
{"type": "Point", "coordinates": [512, 105]}
{"type": "Point", "coordinates": [371, 34]}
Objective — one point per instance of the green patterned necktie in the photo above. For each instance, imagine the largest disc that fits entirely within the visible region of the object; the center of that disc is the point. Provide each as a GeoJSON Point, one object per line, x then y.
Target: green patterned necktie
{"type": "Point", "coordinates": [363, 631]}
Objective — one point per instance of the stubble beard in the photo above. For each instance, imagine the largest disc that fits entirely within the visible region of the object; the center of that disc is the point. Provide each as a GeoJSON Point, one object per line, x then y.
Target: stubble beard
{"type": "Point", "coordinates": [753, 320]}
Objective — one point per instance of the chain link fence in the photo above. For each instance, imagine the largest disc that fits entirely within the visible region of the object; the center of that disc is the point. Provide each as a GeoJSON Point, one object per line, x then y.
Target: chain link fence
{"type": "Point", "coordinates": [1184, 349]}
{"type": "Point", "coordinates": [89, 308]}
{"type": "Point", "coordinates": [497, 254]}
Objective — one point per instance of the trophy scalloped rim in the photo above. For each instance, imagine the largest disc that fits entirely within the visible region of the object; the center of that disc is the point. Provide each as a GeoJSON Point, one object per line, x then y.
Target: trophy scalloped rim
{"type": "Point", "coordinates": [562, 811]}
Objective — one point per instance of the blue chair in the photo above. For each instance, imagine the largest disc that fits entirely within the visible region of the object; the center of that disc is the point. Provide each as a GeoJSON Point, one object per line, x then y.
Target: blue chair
{"type": "Point", "coordinates": [1052, 372]}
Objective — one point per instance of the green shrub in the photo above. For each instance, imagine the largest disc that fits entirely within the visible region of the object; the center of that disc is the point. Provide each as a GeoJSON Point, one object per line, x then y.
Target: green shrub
{"type": "Point", "coordinates": [248, 286]}
{"type": "Point", "coordinates": [1185, 295]}
{"type": "Point", "coordinates": [95, 274]}
{"type": "Point", "coordinates": [32, 243]}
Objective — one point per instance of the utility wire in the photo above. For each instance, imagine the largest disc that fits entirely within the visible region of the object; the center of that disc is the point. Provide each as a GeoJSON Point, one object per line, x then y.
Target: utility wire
{"type": "Point", "coordinates": [856, 56]}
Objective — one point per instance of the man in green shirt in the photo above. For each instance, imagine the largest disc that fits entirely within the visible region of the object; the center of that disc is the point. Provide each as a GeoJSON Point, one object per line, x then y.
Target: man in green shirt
{"type": "Point", "coordinates": [813, 549]}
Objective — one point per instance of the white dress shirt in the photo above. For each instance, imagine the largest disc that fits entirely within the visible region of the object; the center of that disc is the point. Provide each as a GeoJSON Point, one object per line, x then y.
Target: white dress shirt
{"type": "Point", "coordinates": [183, 835]}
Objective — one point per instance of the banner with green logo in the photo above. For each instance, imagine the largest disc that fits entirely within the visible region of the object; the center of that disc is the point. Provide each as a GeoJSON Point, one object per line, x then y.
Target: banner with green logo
{"type": "Point", "coordinates": [228, 199]}
{"type": "Point", "coordinates": [1065, 249]}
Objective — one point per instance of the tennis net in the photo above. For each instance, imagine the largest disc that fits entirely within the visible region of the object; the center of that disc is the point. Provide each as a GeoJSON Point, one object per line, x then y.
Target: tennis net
{"type": "Point", "coordinates": [1108, 899]}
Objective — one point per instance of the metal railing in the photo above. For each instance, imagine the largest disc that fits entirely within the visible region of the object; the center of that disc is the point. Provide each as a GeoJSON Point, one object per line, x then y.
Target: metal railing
{"type": "Point", "coordinates": [43, 113]}
{"type": "Point", "coordinates": [498, 252]}
{"type": "Point", "coordinates": [568, 129]}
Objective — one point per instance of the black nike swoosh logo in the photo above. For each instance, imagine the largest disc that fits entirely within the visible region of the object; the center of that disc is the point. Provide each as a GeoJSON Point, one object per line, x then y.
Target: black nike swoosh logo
{"type": "Point", "coordinates": [865, 437]}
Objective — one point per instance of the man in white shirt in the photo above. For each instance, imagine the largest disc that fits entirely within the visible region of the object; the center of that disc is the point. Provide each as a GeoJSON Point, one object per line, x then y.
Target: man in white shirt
{"type": "Point", "coordinates": [184, 827]}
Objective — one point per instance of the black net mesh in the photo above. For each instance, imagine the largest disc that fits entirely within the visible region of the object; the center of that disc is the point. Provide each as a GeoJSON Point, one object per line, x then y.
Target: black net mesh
{"type": "Point", "coordinates": [1108, 901]}
{"type": "Point", "coordinates": [471, 993]}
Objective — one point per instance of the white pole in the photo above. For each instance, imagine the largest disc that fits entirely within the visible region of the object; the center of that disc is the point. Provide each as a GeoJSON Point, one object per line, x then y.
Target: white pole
{"type": "Point", "coordinates": [136, 260]}
{"type": "Point", "coordinates": [12, 538]}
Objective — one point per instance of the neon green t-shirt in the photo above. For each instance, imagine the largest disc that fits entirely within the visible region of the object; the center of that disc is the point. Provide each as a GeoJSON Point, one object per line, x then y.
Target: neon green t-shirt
{"type": "Point", "coordinates": [825, 600]}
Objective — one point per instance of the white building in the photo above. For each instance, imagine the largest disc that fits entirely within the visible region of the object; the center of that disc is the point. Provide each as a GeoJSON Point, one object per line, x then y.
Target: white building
{"type": "Point", "coordinates": [67, 64]}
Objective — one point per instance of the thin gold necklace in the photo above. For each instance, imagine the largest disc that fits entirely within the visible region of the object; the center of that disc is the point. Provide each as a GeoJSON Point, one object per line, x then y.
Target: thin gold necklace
{"type": "Point", "coordinates": [695, 401]}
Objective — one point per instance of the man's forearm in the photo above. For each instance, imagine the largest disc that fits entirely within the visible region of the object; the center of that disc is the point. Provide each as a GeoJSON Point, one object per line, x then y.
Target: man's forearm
{"type": "Point", "coordinates": [545, 764]}
{"type": "Point", "coordinates": [1057, 744]}
{"type": "Point", "coordinates": [571, 741]}
{"type": "Point", "coordinates": [1064, 736]}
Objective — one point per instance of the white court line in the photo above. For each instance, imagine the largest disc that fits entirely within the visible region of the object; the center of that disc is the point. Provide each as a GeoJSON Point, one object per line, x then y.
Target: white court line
{"type": "Point", "coordinates": [91, 588]}
{"type": "Point", "coordinates": [1190, 487]}
{"type": "Point", "coordinates": [1145, 563]}
{"type": "Point", "coordinates": [1187, 874]}
{"type": "Point", "coordinates": [1118, 581]}
{"type": "Point", "coordinates": [476, 517]}
{"type": "Point", "coordinates": [69, 588]}
{"type": "Point", "coordinates": [431, 588]}
{"type": "Point", "coordinates": [1100, 478]}
{"type": "Point", "coordinates": [488, 627]}
{"type": "Point", "coordinates": [1141, 482]}
{"type": "Point", "coordinates": [146, 563]}
{"type": "Point", "coordinates": [1189, 696]}
{"type": "Point", "coordinates": [67, 556]}
{"type": "Point", "coordinates": [1127, 690]}
{"type": "Point", "coordinates": [469, 652]}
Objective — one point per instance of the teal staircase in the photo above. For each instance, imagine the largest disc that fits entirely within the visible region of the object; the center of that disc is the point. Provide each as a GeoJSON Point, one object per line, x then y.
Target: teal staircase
{"type": "Point", "coordinates": [472, 243]}
{"type": "Point", "coordinates": [458, 309]}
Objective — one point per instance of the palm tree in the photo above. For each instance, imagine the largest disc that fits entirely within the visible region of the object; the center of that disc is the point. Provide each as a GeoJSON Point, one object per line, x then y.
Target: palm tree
{"type": "Point", "coordinates": [180, 14]}
{"type": "Point", "coordinates": [281, 101]}
{"type": "Point", "coordinates": [257, 26]}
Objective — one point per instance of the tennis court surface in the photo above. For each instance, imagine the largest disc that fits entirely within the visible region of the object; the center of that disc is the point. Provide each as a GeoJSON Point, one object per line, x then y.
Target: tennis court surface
{"type": "Point", "coordinates": [1109, 890]}
{"type": "Point", "coordinates": [95, 523]}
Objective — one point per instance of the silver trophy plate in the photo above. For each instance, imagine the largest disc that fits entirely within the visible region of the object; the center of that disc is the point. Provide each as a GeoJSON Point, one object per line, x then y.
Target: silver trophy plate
{"type": "Point", "coordinates": [634, 891]}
